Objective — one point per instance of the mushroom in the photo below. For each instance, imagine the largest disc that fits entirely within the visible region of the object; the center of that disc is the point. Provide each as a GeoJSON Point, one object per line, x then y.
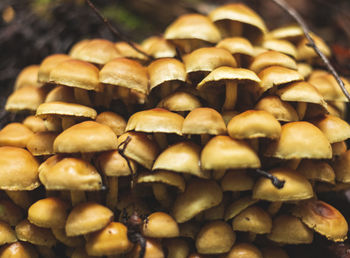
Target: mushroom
{"type": "Point", "coordinates": [113, 120]}
{"type": "Point", "coordinates": [153, 249]}
{"type": "Point", "coordinates": [18, 249]}
{"type": "Point", "coordinates": [158, 47]}
{"type": "Point", "coordinates": [60, 235]}
{"type": "Point", "coordinates": [35, 124]}
{"type": "Point", "coordinates": [238, 206]}
{"type": "Point", "coordinates": [317, 170]}
{"type": "Point", "coordinates": [160, 225]}
{"type": "Point", "coordinates": [292, 33]}
{"type": "Point", "coordinates": [28, 77]}
{"type": "Point", "coordinates": [8, 235]}
{"type": "Point", "coordinates": [280, 45]}
{"type": "Point", "coordinates": [176, 247]}
{"type": "Point", "coordinates": [41, 143]}
{"type": "Point", "coordinates": [180, 102]}
{"type": "Point", "coordinates": [15, 135]}
{"type": "Point", "coordinates": [61, 94]}
{"type": "Point", "coordinates": [48, 64]}
{"type": "Point", "coordinates": [11, 213]}
{"type": "Point", "coordinates": [253, 220]}
{"type": "Point", "coordinates": [244, 250]}
{"type": "Point", "coordinates": [125, 50]}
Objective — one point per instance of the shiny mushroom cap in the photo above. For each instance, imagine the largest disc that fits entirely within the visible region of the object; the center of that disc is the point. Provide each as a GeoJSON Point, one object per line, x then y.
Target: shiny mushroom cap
{"type": "Point", "coordinates": [11, 213]}
{"type": "Point", "coordinates": [341, 167]}
{"type": "Point", "coordinates": [111, 163]}
{"type": "Point", "coordinates": [113, 120]}
{"type": "Point", "coordinates": [305, 52]}
{"type": "Point", "coordinates": [180, 101]}
{"type": "Point", "coordinates": [35, 124]}
{"type": "Point", "coordinates": [280, 45]}
{"type": "Point", "coordinates": [15, 135]}
{"type": "Point", "coordinates": [18, 250]}
{"type": "Point", "coordinates": [8, 235]}
{"type": "Point", "coordinates": [125, 50]}
{"type": "Point", "coordinates": [48, 64]}
{"type": "Point", "coordinates": [244, 250]}
{"type": "Point", "coordinates": [317, 170]}
{"type": "Point", "coordinates": [253, 219]}
{"type": "Point", "coordinates": [41, 143]}
{"type": "Point", "coordinates": [26, 98]}
{"type": "Point", "coordinates": [237, 45]}
{"type": "Point", "coordinates": [272, 58]}
{"type": "Point", "coordinates": [163, 177]}
{"type": "Point", "coordinates": [160, 225]}
{"type": "Point", "coordinates": [334, 128]}
{"type": "Point", "coordinates": [28, 76]}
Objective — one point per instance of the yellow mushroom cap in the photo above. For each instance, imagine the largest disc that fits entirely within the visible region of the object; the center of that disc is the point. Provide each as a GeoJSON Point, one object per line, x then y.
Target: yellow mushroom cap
{"type": "Point", "coordinates": [176, 247]}
{"type": "Point", "coordinates": [280, 45]}
{"type": "Point", "coordinates": [253, 219]}
{"type": "Point", "coordinates": [58, 173]}
{"type": "Point", "coordinates": [160, 225]}
{"type": "Point", "coordinates": [159, 48]}
{"type": "Point", "coordinates": [125, 73]}
{"type": "Point", "coordinates": [223, 152]}
{"type": "Point", "coordinates": [338, 148]}
{"type": "Point", "coordinates": [238, 206]}
{"type": "Point", "coordinates": [25, 98]}
{"type": "Point", "coordinates": [112, 163]}
{"type": "Point", "coordinates": [304, 69]}
{"type": "Point", "coordinates": [305, 52]}
{"type": "Point", "coordinates": [155, 120]}
{"type": "Point", "coordinates": [179, 101]}
{"type": "Point", "coordinates": [289, 32]}
{"type": "Point", "coordinates": [317, 170]}
{"type": "Point", "coordinates": [17, 163]}
{"type": "Point", "coordinates": [199, 195]}
{"type": "Point", "coordinates": [78, 138]}
{"type": "Point", "coordinates": [61, 93]}
{"type": "Point", "coordinates": [215, 237]}
{"type": "Point", "coordinates": [77, 46]}
{"type": "Point", "coordinates": [341, 167]}
{"type": "Point", "coordinates": [87, 217]}
{"type": "Point", "coordinates": [237, 45]}
{"type": "Point", "coordinates": [111, 240]}
{"type": "Point", "coordinates": [41, 143]}
{"type": "Point", "coordinates": [164, 177]}
{"type": "Point", "coordinates": [18, 250]}
{"type": "Point", "coordinates": [76, 73]}
{"type": "Point", "coordinates": [7, 235]}
{"type": "Point", "coordinates": [272, 58]}
{"type": "Point", "coordinates": [28, 76]}
{"type": "Point", "coordinates": [193, 26]}
{"type": "Point", "coordinates": [15, 135]}
{"type": "Point", "coordinates": [182, 157]}
{"type": "Point", "coordinates": [153, 249]}
{"type": "Point", "coordinates": [48, 64]}
{"type": "Point", "coordinates": [296, 187]}
{"type": "Point", "coordinates": [125, 50]}
{"type": "Point", "coordinates": [50, 212]}
{"type": "Point", "coordinates": [323, 218]}
{"type": "Point", "coordinates": [60, 235]}
{"type": "Point", "coordinates": [31, 233]}
{"type": "Point", "coordinates": [254, 124]}
{"type": "Point", "coordinates": [244, 250]}
{"type": "Point", "coordinates": [35, 124]}
{"type": "Point", "coordinates": [11, 213]}
{"type": "Point", "coordinates": [113, 120]}
{"type": "Point", "coordinates": [334, 128]}
{"type": "Point", "coordinates": [65, 109]}
{"type": "Point", "coordinates": [300, 140]}
{"type": "Point", "coordinates": [237, 181]}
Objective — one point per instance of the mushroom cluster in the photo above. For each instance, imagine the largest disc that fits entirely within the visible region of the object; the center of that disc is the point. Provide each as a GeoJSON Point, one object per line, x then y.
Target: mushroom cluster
{"type": "Point", "coordinates": [218, 147]}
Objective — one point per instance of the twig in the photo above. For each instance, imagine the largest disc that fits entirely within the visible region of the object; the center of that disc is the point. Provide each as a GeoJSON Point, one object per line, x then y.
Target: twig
{"type": "Point", "coordinates": [274, 180]}
{"type": "Point", "coordinates": [292, 12]}
{"type": "Point", "coordinates": [121, 149]}
{"type": "Point", "coordinates": [115, 31]}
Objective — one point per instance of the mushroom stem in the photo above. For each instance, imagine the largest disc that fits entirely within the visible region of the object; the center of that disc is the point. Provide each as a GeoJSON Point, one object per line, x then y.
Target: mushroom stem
{"type": "Point", "coordinates": [301, 109]}
{"type": "Point", "coordinates": [112, 194]}
{"type": "Point", "coordinates": [236, 29]}
{"type": "Point", "coordinates": [20, 198]}
{"type": "Point", "coordinates": [82, 97]}
{"type": "Point", "coordinates": [162, 195]}
{"type": "Point", "coordinates": [204, 139]}
{"type": "Point", "coordinates": [99, 99]}
{"type": "Point", "coordinates": [67, 121]}
{"type": "Point", "coordinates": [218, 174]}
{"type": "Point", "coordinates": [293, 163]}
{"type": "Point", "coordinates": [161, 140]}
{"type": "Point", "coordinates": [77, 197]}
{"type": "Point", "coordinates": [231, 95]}
{"type": "Point", "coordinates": [274, 180]}
{"type": "Point", "coordinates": [108, 95]}
{"type": "Point", "coordinates": [87, 156]}
{"type": "Point", "coordinates": [254, 143]}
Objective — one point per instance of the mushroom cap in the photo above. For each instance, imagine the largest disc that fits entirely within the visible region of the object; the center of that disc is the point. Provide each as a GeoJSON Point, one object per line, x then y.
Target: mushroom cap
{"type": "Point", "coordinates": [97, 51]}
{"type": "Point", "coordinates": [296, 187]}
{"type": "Point", "coordinates": [215, 237]}
{"type": "Point", "coordinates": [281, 110]}
{"type": "Point", "coordinates": [153, 249]}
{"type": "Point", "coordinates": [192, 26]}
{"type": "Point", "coordinates": [7, 235]}
{"type": "Point", "coordinates": [179, 101]}
{"type": "Point", "coordinates": [18, 250]}
{"type": "Point", "coordinates": [341, 167]}
{"type": "Point", "coordinates": [33, 234]}
{"type": "Point", "coordinates": [323, 218]}
{"type": "Point", "coordinates": [48, 64]}
{"type": "Point", "coordinates": [253, 219]}
{"type": "Point", "coordinates": [305, 52]}
{"type": "Point", "coordinates": [41, 143]}
{"type": "Point", "coordinates": [77, 46]}
{"type": "Point", "coordinates": [164, 177]}
{"type": "Point", "coordinates": [304, 69]}
{"type": "Point", "coordinates": [244, 250]}
{"type": "Point", "coordinates": [35, 124]}
{"type": "Point", "coordinates": [176, 247]}
{"type": "Point", "coordinates": [182, 157]}
{"type": "Point", "coordinates": [204, 120]}
{"type": "Point", "coordinates": [200, 195]}
{"type": "Point", "coordinates": [125, 50]}
{"type": "Point", "coordinates": [58, 173]}
{"type": "Point", "coordinates": [110, 240]}
{"type": "Point", "coordinates": [290, 32]}
{"type": "Point", "coordinates": [287, 229]}
{"type": "Point", "coordinates": [111, 163]}
{"type": "Point", "coordinates": [113, 120]}
{"type": "Point", "coordinates": [77, 74]}
{"type": "Point", "coordinates": [11, 213]}
{"type": "Point", "coordinates": [237, 12]}
{"type": "Point", "coordinates": [78, 138]}
{"type": "Point", "coordinates": [158, 47]}
{"type": "Point", "coordinates": [141, 149]}
{"type": "Point", "coordinates": [317, 170]}
{"type": "Point", "coordinates": [223, 152]}
{"type": "Point", "coordinates": [300, 140]}
{"type": "Point", "coordinates": [61, 94]}
{"type": "Point", "coordinates": [160, 225]}
{"type": "Point", "coordinates": [15, 135]}
{"type": "Point", "coordinates": [57, 108]}
{"type": "Point", "coordinates": [125, 73]}
{"type": "Point", "coordinates": [280, 45]}
{"type": "Point", "coordinates": [226, 73]}
{"type": "Point", "coordinates": [156, 120]}
{"type": "Point", "coordinates": [25, 98]}
{"type": "Point", "coordinates": [206, 59]}
{"type": "Point", "coordinates": [237, 180]}
{"type": "Point", "coordinates": [60, 235]}
{"type": "Point", "coordinates": [17, 163]}
{"type": "Point", "coordinates": [338, 148]}
{"type": "Point", "coordinates": [50, 212]}
{"type": "Point", "coordinates": [166, 70]}
{"type": "Point", "coordinates": [272, 58]}
{"type": "Point", "coordinates": [87, 217]}
{"type": "Point", "coordinates": [277, 75]}
{"type": "Point", "coordinates": [28, 76]}
{"type": "Point", "coordinates": [334, 128]}
{"type": "Point", "coordinates": [237, 45]}
{"type": "Point", "coordinates": [254, 124]}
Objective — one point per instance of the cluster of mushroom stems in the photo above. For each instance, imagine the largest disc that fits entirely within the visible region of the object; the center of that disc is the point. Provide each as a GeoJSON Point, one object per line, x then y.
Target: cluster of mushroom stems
{"type": "Point", "coordinates": [177, 141]}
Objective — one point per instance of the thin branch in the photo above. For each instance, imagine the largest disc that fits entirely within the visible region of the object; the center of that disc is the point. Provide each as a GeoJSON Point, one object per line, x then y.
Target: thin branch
{"type": "Point", "coordinates": [292, 12]}
{"type": "Point", "coordinates": [121, 149]}
{"type": "Point", "coordinates": [115, 31]}
{"type": "Point", "coordinates": [274, 180]}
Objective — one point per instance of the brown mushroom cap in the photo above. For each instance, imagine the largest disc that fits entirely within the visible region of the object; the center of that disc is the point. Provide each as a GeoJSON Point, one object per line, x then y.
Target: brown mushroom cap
{"type": "Point", "coordinates": [33, 234]}
{"type": "Point", "coordinates": [155, 120]}
{"type": "Point", "coordinates": [300, 140]}
{"type": "Point", "coordinates": [223, 152]}
{"type": "Point", "coordinates": [58, 173]}
{"type": "Point", "coordinates": [280, 45]}
{"type": "Point", "coordinates": [176, 247]}
{"type": "Point", "coordinates": [215, 237]}
{"type": "Point", "coordinates": [244, 250]}
{"type": "Point", "coordinates": [112, 163]}
{"type": "Point", "coordinates": [28, 76]}
{"type": "Point", "coordinates": [77, 46]}
{"type": "Point", "coordinates": [48, 64]}
{"type": "Point", "coordinates": [79, 137]}
{"type": "Point", "coordinates": [254, 124]}
{"type": "Point", "coordinates": [179, 101]}
{"type": "Point", "coordinates": [41, 143]}
{"type": "Point", "coordinates": [317, 170]}
{"type": "Point", "coordinates": [110, 240]}
{"type": "Point", "coordinates": [253, 219]}
{"type": "Point", "coordinates": [18, 163]}
{"type": "Point", "coordinates": [15, 135]}
{"type": "Point", "coordinates": [160, 225]}
{"type": "Point", "coordinates": [50, 212]}
{"type": "Point", "coordinates": [125, 50]}
{"type": "Point", "coordinates": [338, 148]}
{"type": "Point", "coordinates": [304, 69]}
{"type": "Point", "coordinates": [7, 235]}
{"type": "Point", "coordinates": [237, 181]}
{"type": "Point", "coordinates": [61, 93]}
{"type": "Point", "coordinates": [335, 128]}
{"type": "Point", "coordinates": [289, 32]}
{"type": "Point", "coordinates": [341, 167]}
{"type": "Point", "coordinates": [11, 213]}
{"type": "Point", "coordinates": [25, 98]}
{"type": "Point", "coordinates": [164, 177]}
{"type": "Point", "coordinates": [159, 48]}
{"type": "Point", "coordinates": [60, 235]}
{"type": "Point", "coordinates": [153, 249]}
{"type": "Point", "coordinates": [113, 120]}
{"type": "Point", "coordinates": [87, 217]}
{"type": "Point", "coordinates": [237, 45]}
{"type": "Point", "coordinates": [272, 58]}
{"type": "Point", "coordinates": [323, 218]}
{"type": "Point", "coordinates": [296, 187]}
{"type": "Point", "coordinates": [199, 195]}
{"type": "Point", "coordinates": [238, 206]}
{"type": "Point", "coordinates": [18, 250]}
{"type": "Point", "coordinates": [35, 124]}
